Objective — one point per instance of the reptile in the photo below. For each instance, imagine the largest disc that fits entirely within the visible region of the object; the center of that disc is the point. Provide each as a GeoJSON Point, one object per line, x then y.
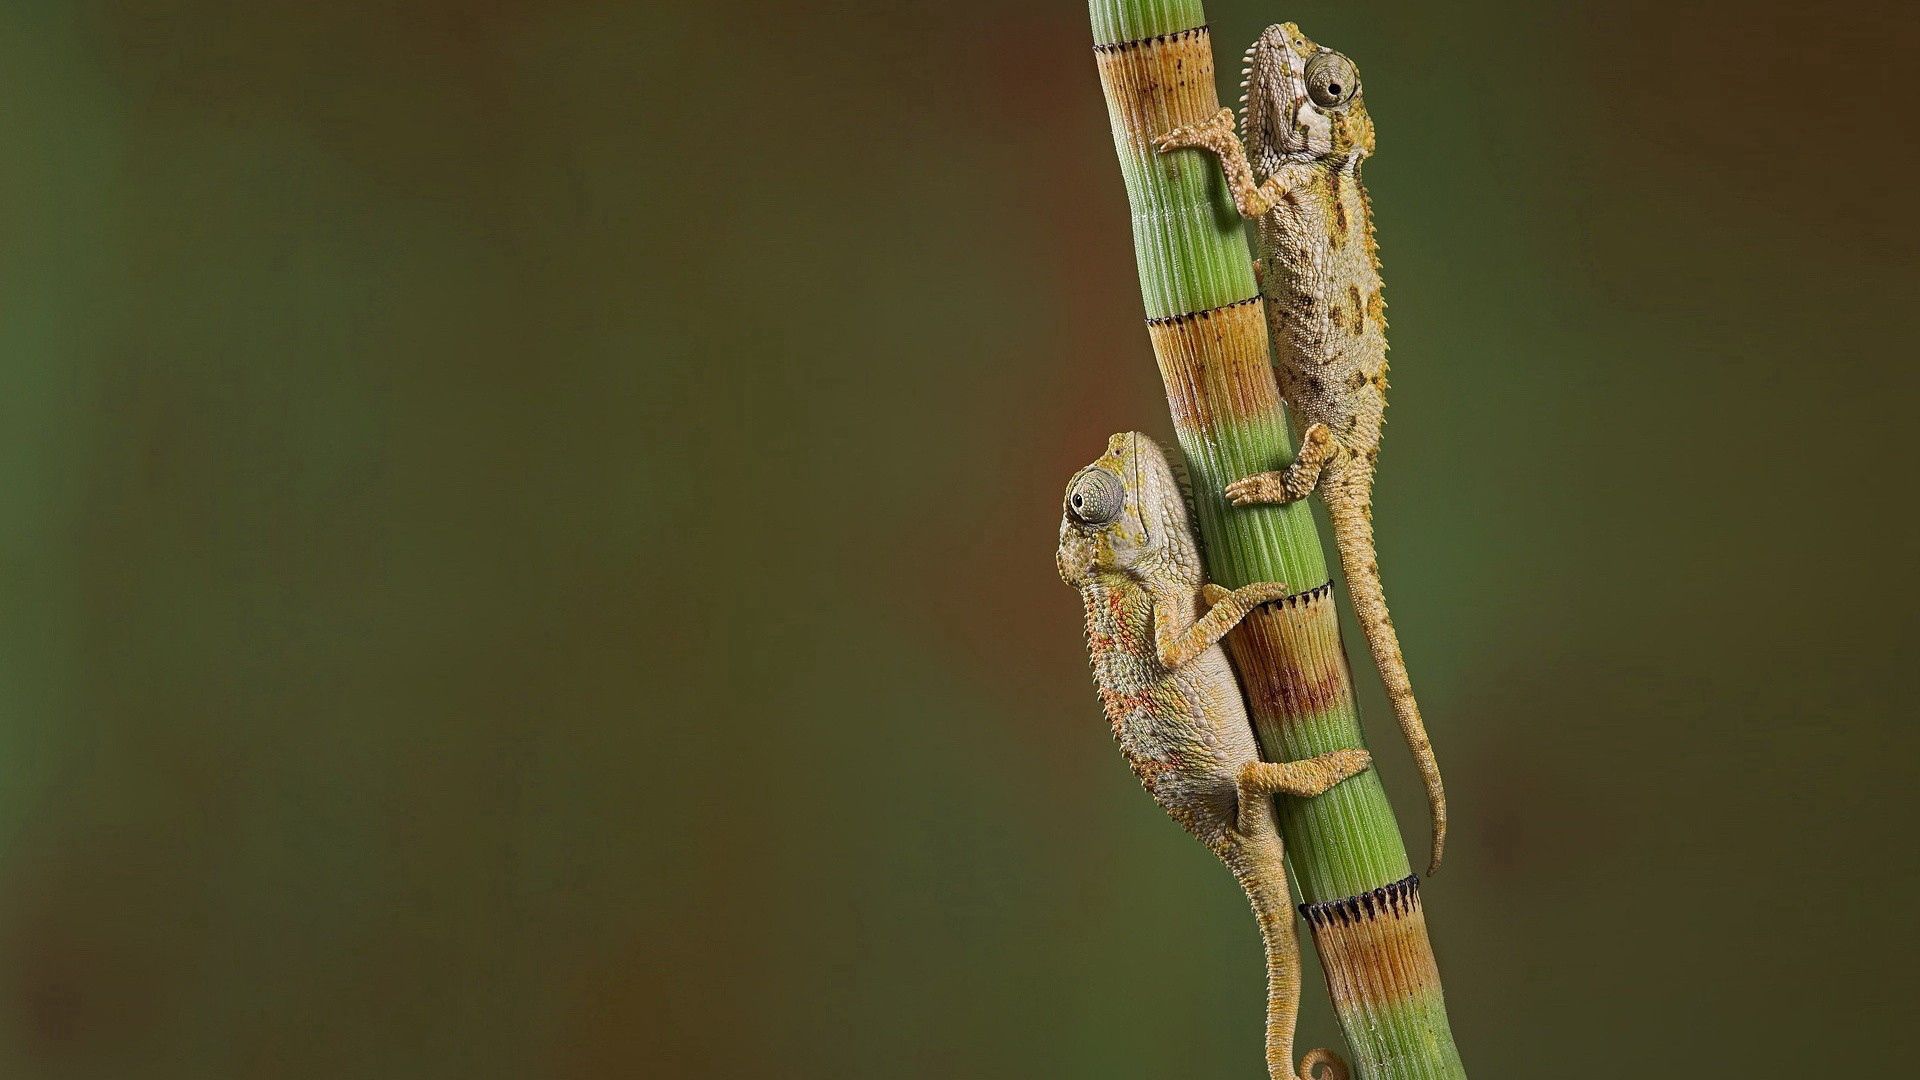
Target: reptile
{"type": "Point", "coordinates": [1297, 178]}
{"type": "Point", "coordinates": [1153, 633]}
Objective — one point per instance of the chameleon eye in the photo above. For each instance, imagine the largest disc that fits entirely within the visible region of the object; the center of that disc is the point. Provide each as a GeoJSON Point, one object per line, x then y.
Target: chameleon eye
{"type": "Point", "coordinates": [1095, 497]}
{"type": "Point", "coordinates": [1332, 80]}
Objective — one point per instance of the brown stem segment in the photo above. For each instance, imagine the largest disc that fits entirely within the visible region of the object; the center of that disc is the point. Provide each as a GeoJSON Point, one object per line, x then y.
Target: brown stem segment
{"type": "Point", "coordinates": [1291, 665]}
{"type": "Point", "coordinates": [1215, 366]}
{"type": "Point", "coordinates": [1374, 946]}
{"type": "Point", "coordinates": [1381, 972]}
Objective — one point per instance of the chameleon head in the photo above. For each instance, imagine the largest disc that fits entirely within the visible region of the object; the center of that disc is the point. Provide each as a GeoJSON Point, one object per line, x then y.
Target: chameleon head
{"type": "Point", "coordinates": [1125, 514]}
{"type": "Point", "coordinates": [1303, 102]}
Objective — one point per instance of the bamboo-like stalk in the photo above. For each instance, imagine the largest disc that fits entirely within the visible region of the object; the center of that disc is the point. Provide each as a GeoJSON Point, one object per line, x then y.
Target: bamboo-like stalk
{"type": "Point", "coordinates": [1362, 902]}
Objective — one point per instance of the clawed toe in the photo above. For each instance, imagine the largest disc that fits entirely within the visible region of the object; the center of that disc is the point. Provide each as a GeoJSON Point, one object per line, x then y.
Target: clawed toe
{"type": "Point", "coordinates": [1196, 136]}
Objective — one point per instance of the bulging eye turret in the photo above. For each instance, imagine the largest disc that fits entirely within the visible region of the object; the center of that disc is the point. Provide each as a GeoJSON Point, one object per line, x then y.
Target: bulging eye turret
{"type": "Point", "coordinates": [1332, 80]}
{"type": "Point", "coordinates": [1095, 497]}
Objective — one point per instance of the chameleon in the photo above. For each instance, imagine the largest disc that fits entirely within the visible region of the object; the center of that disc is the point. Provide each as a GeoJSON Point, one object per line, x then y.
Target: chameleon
{"type": "Point", "coordinates": [1307, 132]}
{"type": "Point", "coordinates": [1153, 634]}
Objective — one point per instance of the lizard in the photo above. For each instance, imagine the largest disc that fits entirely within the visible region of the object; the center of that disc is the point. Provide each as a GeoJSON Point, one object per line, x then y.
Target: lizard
{"type": "Point", "coordinates": [1298, 179]}
{"type": "Point", "coordinates": [1153, 633]}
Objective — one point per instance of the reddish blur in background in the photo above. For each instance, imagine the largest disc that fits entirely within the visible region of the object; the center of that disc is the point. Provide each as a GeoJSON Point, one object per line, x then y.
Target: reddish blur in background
{"type": "Point", "coordinates": [528, 528]}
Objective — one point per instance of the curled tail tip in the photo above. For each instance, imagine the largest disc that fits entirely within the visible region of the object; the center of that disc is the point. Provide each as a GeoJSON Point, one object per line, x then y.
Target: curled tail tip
{"type": "Point", "coordinates": [1329, 1064]}
{"type": "Point", "coordinates": [1439, 849]}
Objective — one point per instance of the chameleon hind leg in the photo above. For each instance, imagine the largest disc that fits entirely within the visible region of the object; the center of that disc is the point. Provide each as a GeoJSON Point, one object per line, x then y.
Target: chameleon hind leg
{"type": "Point", "coordinates": [1301, 779]}
{"type": "Point", "coordinates": [1258, 783]}
{"type": "Point", "coordinates": [1297, 480]}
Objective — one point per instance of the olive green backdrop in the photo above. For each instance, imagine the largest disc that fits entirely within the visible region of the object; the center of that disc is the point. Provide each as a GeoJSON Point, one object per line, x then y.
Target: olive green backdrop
{"type": "Point", "coordinates": [526, 536]}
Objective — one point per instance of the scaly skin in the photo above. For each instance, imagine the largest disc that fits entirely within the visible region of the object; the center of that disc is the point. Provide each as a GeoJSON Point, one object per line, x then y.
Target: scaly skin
{"type": "Point", "coordinates": [1176, 710]}
{"type": "Point", "coordinates": [1298, 179]}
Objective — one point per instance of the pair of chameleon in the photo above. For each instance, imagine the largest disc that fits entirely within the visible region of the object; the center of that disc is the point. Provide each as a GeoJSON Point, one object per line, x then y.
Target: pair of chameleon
{"type": "Point", "coordinates": [1127, 543]}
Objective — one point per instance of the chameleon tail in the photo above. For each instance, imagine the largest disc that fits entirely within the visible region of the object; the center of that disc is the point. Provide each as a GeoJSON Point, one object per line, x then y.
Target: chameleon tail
{"type": "Point", "coordinates": [1273, 906]}
{"type": "Point", "coordinates": [1353, 535]}
{"type": "Point", "coordinates": [1311, 1066]}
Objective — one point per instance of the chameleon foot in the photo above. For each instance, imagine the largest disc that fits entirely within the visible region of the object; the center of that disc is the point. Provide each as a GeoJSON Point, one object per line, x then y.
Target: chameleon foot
{"type": "Point", "coordinates": [1260, 592]}
{"type": "Point", "coordinates": [1225, 610]}
{"type": "Point", "coordinates": [1215, 134]}
{"type": "Point", "coordinates": [1304, 778]}
{"type": "Point", "coordinates": [1260, 781]}
{"type": "Point", "coordinates": [1296, 481]}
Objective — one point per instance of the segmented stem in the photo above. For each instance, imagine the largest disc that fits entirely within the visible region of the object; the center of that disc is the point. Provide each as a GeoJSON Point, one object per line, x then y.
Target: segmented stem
{"type": "Point", "coordinates": [1209, 337]}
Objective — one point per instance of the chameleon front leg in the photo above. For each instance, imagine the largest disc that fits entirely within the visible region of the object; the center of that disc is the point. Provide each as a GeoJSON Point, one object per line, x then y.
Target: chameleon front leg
{"type": "Point", "coordinates": [1297, 480]}
{"type": "Point", "coordinates": [1177, 643]}
{"type": "Point", "coordinates": [1216, 136]}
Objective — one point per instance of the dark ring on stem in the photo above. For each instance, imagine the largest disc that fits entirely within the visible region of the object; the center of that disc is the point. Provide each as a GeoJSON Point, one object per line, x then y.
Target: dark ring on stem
{"type": "Point", "coordinates": [1395, 897]}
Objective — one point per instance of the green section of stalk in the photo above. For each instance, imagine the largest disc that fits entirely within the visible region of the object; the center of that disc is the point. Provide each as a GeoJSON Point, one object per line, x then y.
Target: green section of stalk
{"type": "Point", "coordinates": [1115, 22]}
{"type": "Point", "coordinates": [1246, 544]}
{"type": "Point", "coordinates": [1405, 1040]}
{"type": "Point", "coordinates": [1187, 261]}
{"type": "Point", "coordinates": [1341, 840]}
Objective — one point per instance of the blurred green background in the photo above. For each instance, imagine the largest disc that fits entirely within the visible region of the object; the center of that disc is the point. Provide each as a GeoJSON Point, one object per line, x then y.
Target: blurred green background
{"type": "Point", "coordinates": [528, 530]}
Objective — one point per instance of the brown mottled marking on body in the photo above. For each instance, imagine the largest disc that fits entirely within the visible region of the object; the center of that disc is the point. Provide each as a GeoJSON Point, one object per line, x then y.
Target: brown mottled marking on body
{"type": "Point", "coordinates": [1374, 946]}
{"type": "Point", "coordinates": [1377, 307]}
